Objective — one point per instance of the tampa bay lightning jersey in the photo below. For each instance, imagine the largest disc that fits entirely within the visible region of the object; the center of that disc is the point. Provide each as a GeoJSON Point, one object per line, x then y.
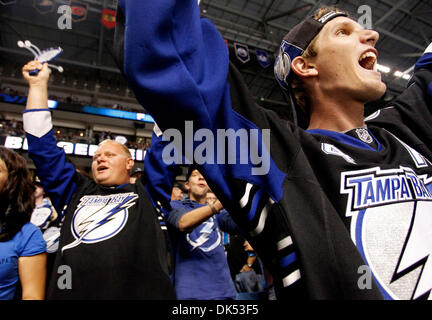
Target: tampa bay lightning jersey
{"type": "Point", "coordinates": [201, 269]}
{"type": "Point", "coordinates": [331, 211]}
{"type": "Point", "coordinates": [384, 199]}
{"type": "Point", "coordinates": [110, 239]}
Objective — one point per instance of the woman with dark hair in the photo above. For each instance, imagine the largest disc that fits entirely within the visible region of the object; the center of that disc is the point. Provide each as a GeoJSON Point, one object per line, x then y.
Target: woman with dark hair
{"type": "Point", "coordinates": [22, 247]}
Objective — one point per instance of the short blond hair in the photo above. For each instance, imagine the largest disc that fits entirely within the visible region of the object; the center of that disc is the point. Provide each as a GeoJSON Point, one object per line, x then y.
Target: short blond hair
{"type": "Point", "coordinates": [123, 147]}
{"type": "Point", "coordinates": [297, 85]}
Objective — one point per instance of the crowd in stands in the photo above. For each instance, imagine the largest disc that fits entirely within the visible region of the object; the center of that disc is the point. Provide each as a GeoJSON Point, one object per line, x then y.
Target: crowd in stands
{"type": "Point", "coordinates": [11, 91]}
{"type": "Point", "coordinates": [69, 99]}
{"type": "Point", "coordinates": [11, 128]}
{"type": "Point", "coordinates": [15, 128]}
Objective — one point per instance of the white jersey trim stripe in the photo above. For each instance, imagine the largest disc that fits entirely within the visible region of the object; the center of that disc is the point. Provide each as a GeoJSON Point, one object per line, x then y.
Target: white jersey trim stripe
{"type": "Point", "coordinates": [285, 242]}
{"type": "Point", "coordinates": [245, 199]}
{"type": "Point", "coordinates": [291, 278]}
{"type": "Point", "coordinates": [262, 219]}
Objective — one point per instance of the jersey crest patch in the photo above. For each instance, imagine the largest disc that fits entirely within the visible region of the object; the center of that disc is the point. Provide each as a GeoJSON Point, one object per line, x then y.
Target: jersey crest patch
{"type": "Point", "coordinates": [98, 218]}
{"type": "Point", "coordinates": [207, 238]}
{"type": "Point", "coordinates": [364, 135]}
{"type": "Point", "coordinates": [391, 219]}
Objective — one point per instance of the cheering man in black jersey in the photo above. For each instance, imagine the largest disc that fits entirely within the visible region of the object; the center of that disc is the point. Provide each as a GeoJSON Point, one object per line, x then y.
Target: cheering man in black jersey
{"type": "Point", "coordinates": [343, 209]}
{"type": "Point", "coordinates": [111, 245]}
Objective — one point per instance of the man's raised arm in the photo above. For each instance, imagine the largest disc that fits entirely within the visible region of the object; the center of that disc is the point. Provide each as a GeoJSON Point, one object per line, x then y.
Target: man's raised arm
{"type": "Point", "coordinates": [55, 173]}
{"type": "Point", "coordinates": [174, 61]}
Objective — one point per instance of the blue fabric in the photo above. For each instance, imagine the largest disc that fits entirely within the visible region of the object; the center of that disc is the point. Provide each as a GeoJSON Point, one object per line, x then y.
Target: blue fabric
{"type": "Point", "coordinates": [344, 138]}
{"type": "Point", "coordinates": [425, 61]}
{"type": "Point", "coordinates": [27, 242]}
{"type": "Point", "coordinates": [201, 268]}
{"type": "Point", "coordinates": [226, 223]}
{"type": "Point", "coordinates": [174, 60]}
{"type": "Point", "coordinates": [249, 281]}
{"type": "Point", "coordinates": [52, 168]}
{"type": "Point", "coordinates": [158, 175]}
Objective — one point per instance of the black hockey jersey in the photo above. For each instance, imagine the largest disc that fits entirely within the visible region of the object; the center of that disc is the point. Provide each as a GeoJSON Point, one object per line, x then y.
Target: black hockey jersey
{"type": "Point", "coordinates": [111, 244]}
{"type": "Point", "coordinates": [326, 211]}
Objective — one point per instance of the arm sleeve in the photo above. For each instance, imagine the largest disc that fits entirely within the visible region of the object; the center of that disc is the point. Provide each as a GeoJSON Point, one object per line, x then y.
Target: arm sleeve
{"type": "Point", "coordinates": [414, 104]}
{"type": "Point", "coordinates": [177, 64]}
{"type": "Point", "coordinates": [174, 60]}
{"type": "Point", "coordinates": [173, 216]}
{"type": "Point", "coordinates": [32, 242]}
{"type": "Point", "coordinates": [53, 169]}
{"type": "Point", "coordinates": [226, 223]}
{"type": "Point", "coordinates": [158, 175]}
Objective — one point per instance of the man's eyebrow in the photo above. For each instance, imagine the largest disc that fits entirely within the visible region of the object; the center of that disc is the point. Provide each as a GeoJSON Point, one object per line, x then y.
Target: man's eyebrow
{"type": "Point", "coordinates": [344, 24]}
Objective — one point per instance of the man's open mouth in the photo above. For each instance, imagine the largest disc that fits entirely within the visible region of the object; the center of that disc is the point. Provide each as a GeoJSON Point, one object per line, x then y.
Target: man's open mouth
{"type": "Point", "coordinates": [102, 168]}
{"type": "Point", "coordinates": [367, 60]}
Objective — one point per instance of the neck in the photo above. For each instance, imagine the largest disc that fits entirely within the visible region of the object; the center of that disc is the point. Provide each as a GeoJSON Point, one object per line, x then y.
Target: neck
{"type": "Point", "coordinates": [336, 115]}
{"type": "Point", "coordinates": [38, 200]}
{"type": "Point", "coordinates": [116, 184]}
{"type": "Point", "coordinates": [197, 198]}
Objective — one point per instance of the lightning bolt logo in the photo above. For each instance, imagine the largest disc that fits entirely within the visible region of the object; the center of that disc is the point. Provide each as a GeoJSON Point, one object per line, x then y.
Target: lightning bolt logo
{"type": "Point", "coordinates": [99, 218]}
{"type": "Point", "coordinates": [417, 251]}
{"type": "Point", "coordinates": [207, 229]}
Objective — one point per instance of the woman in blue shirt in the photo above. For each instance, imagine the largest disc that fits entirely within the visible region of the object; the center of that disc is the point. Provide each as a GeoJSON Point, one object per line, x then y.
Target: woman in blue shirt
{"type": "Point", "coordinates": [22, 247]}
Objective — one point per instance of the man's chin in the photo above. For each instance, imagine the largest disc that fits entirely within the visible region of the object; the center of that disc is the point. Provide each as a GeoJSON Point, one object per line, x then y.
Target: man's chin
{"type": "Point", "coordinates": [100, 180]}
{"type": "Point", "coordinates": [374, 92]}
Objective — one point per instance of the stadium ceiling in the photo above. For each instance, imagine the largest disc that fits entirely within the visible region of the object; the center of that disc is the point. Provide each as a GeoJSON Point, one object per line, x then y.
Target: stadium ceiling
{"type": "Point", "coordinates": [405, 29]}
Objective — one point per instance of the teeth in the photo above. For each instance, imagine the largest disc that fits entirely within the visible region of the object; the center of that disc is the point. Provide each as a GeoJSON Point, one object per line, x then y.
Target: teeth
{"type": "Point", "coordinates": [367, 60]}
{"type": "Point", "coordinates": [368, 54]}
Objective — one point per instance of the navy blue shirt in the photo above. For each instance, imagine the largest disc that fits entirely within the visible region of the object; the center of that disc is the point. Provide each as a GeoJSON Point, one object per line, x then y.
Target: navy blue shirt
{"type": "Point", "coordinates": [201, 268]}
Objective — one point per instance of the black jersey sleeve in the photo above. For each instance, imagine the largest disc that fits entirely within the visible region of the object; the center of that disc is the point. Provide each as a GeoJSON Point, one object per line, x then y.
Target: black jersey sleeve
{"type": "Point", "coordinates": [411, 111]}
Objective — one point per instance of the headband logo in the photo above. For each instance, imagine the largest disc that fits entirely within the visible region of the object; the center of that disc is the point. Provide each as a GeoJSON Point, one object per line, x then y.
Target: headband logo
{"type": "Point", "coordinates": [283, 66]}
{"type": "Point", "coordinates": [327, 17]}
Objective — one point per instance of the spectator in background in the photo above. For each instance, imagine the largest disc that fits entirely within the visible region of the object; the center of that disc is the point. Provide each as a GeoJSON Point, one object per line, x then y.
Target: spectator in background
{"type": "Point", "coordinates": [22, 247]}
{"type": "Point", "coordinates": [201, 269]}
{"type": "Point", "coordinates": [44, 212]}
{"type": "Point", "coordinates": [178, 191]}
{"type": "Point", "coordinates": [210, 197]}
{"type": "Point", "coordinates": [96, 138]}
{"type": "Point", "coordinates": [249, 281]}
{"type": "Point", "coordinates": [44, 217]}
{"type": "Point", "coordinates": [246, 269]}
{"type": "Point", "coordinates": [136, 174]}
{"type": "Point", "coordinates": [108, 136]}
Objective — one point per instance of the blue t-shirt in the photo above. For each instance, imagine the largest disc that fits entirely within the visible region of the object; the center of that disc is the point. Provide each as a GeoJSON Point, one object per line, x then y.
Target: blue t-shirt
{"type": "Point", "coordinates": [27, 242]}
{"type": "Point", "coordinates": [201, 268]}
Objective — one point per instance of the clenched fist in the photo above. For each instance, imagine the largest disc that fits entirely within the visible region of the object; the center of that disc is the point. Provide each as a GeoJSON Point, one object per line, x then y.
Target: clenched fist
{"type": "Point", "coordinates": [40, 79]}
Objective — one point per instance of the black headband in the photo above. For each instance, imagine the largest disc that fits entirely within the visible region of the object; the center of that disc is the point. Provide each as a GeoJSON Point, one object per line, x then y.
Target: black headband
{"type": "Point", "coordinates": [295, 43]}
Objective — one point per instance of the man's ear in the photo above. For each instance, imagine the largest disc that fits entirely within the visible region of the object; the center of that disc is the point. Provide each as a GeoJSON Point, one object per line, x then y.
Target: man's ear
{"type": "Point", "coordinates": [187, 186]}
{"type": "Point", "coordinates": [303, 67]}
{"type": "Point", "coordinates": [130, 164]}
